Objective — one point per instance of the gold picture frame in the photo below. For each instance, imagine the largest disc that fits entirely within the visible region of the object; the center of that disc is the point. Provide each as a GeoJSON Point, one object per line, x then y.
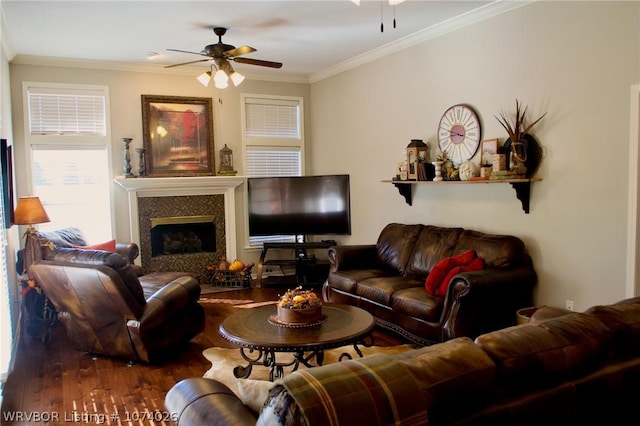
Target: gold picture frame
{"type": "Point", "coordinates": [178, 136]}
{"type": "Point", "coordinates": [489, 148]}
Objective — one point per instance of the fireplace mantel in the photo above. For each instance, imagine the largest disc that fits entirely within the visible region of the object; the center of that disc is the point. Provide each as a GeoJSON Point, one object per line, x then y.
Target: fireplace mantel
{"type": "Point", "coordinates": [179, 186]}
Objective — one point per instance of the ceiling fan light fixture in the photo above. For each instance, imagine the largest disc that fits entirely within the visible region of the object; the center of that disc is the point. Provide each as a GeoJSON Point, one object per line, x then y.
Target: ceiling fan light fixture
{"type": "Point", "coordinates": [395, 2]}
{"type": "Point", "coordinates": [221, 79]}
{"type": "Point", "coordinates": [204, 78]}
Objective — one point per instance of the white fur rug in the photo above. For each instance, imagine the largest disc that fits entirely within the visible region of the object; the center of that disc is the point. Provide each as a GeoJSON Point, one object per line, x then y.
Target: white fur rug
{"type": "Point", "coordinates": [223, 361]}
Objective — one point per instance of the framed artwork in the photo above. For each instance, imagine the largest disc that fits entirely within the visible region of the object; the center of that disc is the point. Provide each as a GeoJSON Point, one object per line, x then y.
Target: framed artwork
{"type": "Point", "coordinates": [6, 162]}
{"type": "Point", "coordinates": [488, 150]}
{"type": "Point", "coordinates": [177, 136]}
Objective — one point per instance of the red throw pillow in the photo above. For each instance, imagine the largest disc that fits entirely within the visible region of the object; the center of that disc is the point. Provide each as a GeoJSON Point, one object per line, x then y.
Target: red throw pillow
{"type": "Point", "coordinates": [106, 246]}
{"type": "Point", "coordinates": [476, 264]}
{"type": "Point", "coordinates": [442, 268]}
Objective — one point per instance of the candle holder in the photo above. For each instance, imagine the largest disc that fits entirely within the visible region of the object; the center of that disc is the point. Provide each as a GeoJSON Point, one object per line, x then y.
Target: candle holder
{"type": "Point", "coordinates": [142, 167]}
{"type": "Point", "coordinates": [127, 157]}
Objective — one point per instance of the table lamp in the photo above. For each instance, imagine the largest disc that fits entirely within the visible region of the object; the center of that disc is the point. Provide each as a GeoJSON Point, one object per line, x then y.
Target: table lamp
{"type": "Point", "coordinates": [29, 211]}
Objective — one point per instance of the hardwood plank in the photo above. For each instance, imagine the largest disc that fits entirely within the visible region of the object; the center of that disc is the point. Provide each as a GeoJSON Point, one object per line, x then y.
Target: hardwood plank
{"type": "Point", "coordinates": [59, 379]}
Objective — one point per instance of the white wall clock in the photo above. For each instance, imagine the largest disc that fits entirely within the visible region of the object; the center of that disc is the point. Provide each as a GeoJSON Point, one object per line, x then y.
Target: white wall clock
{"type": "Point", "coordinates": [459, 133]}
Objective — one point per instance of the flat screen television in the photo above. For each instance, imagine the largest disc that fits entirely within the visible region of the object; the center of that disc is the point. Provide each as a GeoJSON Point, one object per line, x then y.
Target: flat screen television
{"type": "Point", "coordinates": [301, 205]}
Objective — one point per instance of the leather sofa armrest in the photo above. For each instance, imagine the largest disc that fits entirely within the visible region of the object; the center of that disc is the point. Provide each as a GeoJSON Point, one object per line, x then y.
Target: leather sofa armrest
{"type": "Point", "coordinates": [200, 401]}
{"type": "Point", "coordinates": [129, 251]}
{"type": "Point", "coordinates": [352, 257]}
{"type": "Point", "coordinates": [170, 300]}
{"type": "Point", "coordinates": [471, 295]}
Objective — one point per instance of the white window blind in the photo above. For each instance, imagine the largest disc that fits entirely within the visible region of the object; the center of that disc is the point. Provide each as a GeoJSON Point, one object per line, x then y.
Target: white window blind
{"type": "Point", "coordinates": [6, 342]}
{"type": "Point", "coordinates": [272, 118]}
{"type": "Point", "coordinates": [52, 111]}
{"type": "Point", "coordinates": [265, 163]}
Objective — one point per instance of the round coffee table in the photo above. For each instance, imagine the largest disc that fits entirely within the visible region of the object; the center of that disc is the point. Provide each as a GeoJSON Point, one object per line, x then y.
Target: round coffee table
{"type": "Point", "coordinates": [252, 330]}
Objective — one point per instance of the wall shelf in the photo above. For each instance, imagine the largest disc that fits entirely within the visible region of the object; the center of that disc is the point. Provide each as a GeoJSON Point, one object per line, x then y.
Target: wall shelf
{"type": "Point", "coordinates": [521, 186]}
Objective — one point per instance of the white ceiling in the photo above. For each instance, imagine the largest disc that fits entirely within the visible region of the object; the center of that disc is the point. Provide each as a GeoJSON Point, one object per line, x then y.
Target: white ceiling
{"type": "Point", "coordinates": [309, 37]}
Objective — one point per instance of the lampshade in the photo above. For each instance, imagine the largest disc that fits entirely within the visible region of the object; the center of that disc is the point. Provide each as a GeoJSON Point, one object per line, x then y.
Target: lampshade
{"type": "Point", "coordinates": [204, 78]}
{"type": "Point", "coordinates": [29, 211]}
{"type": "Point", "coordinates": [221, 79]}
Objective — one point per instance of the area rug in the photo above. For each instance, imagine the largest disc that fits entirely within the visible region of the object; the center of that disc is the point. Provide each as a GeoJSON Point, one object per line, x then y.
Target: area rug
{"type": "Point", "coordinates": [223, 361]}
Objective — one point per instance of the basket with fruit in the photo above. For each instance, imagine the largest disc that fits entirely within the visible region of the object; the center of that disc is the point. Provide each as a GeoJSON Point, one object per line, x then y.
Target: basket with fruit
{"type": "Point", "coordinates": [225, 274]}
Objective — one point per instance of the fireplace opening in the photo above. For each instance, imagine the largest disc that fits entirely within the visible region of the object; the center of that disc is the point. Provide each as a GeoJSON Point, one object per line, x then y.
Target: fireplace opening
{"type": "Point", "coordinates": [182, 235]}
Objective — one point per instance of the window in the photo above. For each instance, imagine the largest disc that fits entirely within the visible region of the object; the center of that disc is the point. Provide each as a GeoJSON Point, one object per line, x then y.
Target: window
{"type": "Point", "coordinates": [273, 137]}
{"type": "Point", "coordinates": [6, 329]}
{"type": "Point", "coordinates": [68, 143]}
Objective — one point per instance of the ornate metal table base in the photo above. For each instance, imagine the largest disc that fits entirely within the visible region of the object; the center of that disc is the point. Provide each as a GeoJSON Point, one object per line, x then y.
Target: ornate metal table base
{"type": "Point", "coordinates": [267, 358]}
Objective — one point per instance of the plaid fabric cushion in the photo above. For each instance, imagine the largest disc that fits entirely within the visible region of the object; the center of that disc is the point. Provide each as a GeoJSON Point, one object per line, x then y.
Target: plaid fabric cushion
{"type": "Point", "coordinates": [375, 390]}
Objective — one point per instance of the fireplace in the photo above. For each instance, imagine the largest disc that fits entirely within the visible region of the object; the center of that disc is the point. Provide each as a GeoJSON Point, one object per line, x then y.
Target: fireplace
{"type": "Point", "coordinates": [183, 199]}
{"type": "Point", "coordinates": [182, 235]}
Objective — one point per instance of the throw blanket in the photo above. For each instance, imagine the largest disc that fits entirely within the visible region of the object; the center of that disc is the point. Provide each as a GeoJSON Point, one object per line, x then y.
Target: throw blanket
{"type": "Point", "coordinates": [375, 390]}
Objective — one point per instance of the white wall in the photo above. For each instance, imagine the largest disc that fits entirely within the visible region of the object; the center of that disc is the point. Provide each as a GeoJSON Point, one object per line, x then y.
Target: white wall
{"type": "Point", "coordinates": [125, 89]}
{"type": "Point", "coordinates": [576, 60]}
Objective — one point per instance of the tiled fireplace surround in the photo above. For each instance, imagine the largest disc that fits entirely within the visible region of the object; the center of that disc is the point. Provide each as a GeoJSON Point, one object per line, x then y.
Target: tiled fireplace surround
{"type": "Point", "coordinates": [178, 197]}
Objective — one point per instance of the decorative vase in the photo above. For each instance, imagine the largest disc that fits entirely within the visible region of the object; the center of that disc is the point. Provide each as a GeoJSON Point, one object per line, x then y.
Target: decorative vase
{"type": "Point", "coordinates": [127, 157]}
{"type": "Point", "coordinates": [142, 168]}
{"type": "Point", "coordinates": [518, 159]}
{"type": "Point", "coordinates": [438, 170]}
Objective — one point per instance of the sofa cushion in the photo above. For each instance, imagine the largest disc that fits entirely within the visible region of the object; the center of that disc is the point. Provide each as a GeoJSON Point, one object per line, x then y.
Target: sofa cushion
{"type": "Point", "coordinates": [623, 319]}
{"type": "Point", "coordinates": [109, 246]}
{"type": "Point", "coordinates": [434, 244]}
{"type": "Point", "coordinates": [451, 372]}
{"type": "Point", "coordinates": [531, 355]}
{"type": "Point", "coordinates": [498, 251]}
{"type": "Point", "coordinates": [380, 289]}
{"type": "Point", "coordinates": [347, 280]}
{"type": "Point", "coordinates": [395, 245]}
{"type": "Point", "coordinates": [441, 270]}
{"type": "Point", "coordinates": [477, 264]}
{"type": "Point", "coordinates": [417, 303]}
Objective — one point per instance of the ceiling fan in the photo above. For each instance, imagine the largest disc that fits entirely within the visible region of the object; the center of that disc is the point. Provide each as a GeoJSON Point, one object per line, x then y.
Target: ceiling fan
{"type": "Point", "coordinates": [220, 54]}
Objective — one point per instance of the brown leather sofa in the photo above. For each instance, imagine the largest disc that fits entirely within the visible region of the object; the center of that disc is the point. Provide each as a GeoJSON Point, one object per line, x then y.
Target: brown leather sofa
{"type": "Point", "coordinates": [388, 280]}
{"type": "Point", "coordinates": [107, 309]}
{"type": "Point", "coordinates": [575, 369]}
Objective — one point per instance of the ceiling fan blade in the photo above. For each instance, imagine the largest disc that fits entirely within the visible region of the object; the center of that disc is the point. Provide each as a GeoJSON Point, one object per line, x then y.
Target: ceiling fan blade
{"type": "Point", "coordinates": [242, 50]}
{"type": "Point", "coordinates": [187, 63]}
{"type": "Point", "coordinates": [186, 51]}
{"type": "Point", "coordinates": [257, 62]}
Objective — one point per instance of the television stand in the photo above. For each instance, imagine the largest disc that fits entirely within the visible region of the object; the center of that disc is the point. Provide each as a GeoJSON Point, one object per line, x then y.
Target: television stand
{"type": "Point", "coordinates": [310, 270]}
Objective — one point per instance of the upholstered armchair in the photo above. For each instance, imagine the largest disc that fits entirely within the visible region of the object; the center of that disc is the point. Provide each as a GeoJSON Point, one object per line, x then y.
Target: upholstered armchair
{"type": "Point", "coordinates": [107, 309]}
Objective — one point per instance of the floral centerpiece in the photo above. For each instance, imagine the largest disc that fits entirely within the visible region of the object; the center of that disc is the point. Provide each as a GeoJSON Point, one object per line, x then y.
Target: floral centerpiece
{"type": "Point", "coordinates": [299, 307]}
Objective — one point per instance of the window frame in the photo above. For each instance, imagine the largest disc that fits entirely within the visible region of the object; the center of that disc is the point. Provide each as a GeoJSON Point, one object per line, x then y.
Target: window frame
{"type": "Point", "coordinates": [270, 143]}
{"type": "Point", "coordinates": [69, 141]}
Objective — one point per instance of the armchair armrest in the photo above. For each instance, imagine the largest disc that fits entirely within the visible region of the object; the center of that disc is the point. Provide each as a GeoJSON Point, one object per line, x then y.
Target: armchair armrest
{"type": "Point", "coordinates": [170, 300]}
{"type": "Point", "coordinates": [481, 301]}
{"type": "Point", "coordinates": [352, 257]}
{"type": "Point", "coordinates": [129, 251]}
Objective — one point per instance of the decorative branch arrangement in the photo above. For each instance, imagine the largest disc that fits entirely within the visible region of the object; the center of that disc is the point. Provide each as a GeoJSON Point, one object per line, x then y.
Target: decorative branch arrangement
{"type": "Point", "coordinates": [517, 128]}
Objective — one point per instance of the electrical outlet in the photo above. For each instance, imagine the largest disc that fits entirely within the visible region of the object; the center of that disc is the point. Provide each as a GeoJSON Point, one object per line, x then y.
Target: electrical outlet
{"type": "Point", "coordinates": [569, 304]}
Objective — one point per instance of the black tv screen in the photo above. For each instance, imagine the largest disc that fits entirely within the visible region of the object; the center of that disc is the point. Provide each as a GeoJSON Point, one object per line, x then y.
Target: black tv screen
{"type": "Point", "coordinates": [301, 205]}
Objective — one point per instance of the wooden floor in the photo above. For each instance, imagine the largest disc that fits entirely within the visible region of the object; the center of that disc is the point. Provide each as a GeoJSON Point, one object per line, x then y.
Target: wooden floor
{"type": "Point", "coordinates": [62, 385]}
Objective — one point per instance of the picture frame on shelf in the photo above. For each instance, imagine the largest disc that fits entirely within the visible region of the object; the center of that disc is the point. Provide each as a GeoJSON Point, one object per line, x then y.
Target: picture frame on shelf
{"type": "Point", "coordinates": [488, 149]}
{"type": "Point", "coordinates": [178, 136]}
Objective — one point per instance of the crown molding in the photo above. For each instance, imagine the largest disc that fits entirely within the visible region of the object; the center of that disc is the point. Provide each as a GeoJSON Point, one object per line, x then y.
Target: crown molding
{"type": "Point", "coordinates": [144, 68]}
{"type": "Point", "coordinates": [482, 13]}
